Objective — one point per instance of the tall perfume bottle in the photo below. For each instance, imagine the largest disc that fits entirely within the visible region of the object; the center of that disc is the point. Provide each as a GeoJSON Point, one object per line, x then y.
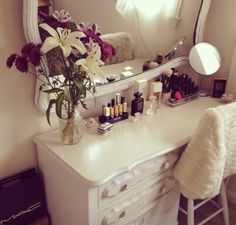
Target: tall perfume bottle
{"type": "Point", "coordinates": [137, 103]}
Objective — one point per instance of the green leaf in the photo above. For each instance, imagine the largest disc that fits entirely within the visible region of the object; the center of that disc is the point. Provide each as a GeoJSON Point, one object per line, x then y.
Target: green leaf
{"type": "Point", "coordinates": [67, 94]}
{"type": "Point", "coordinates": [83, 104]}
{"type": "Point", "coordinates": [81, 87]}
{"type": "Point", "coordinates": [51, 102]}
{"type": "Point", "coordinates": [59, 102]}
{"type": "Point", "coordinates": [53, 90]}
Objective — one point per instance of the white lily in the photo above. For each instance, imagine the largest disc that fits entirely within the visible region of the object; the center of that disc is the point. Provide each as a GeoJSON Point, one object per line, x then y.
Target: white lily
{"type": "Point", "coordinates": [63, 38]}
{"type": "Point", "coordinates": [92, 63]}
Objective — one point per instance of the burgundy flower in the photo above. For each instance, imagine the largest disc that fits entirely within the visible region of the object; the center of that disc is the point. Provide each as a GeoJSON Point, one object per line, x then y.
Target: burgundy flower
{"type": "Point", "coordinates": [22, 63]}
{"type": "Point", "coordinates": [35, 56]}
{"type": "Point", "coordinates": [10, 60]}
{"type": "Point", "coordinates": [107, 50]}
{"type": "Point", "coordinates": [51, 21]}
{"type": "Point", "coordinates": [27, 48]}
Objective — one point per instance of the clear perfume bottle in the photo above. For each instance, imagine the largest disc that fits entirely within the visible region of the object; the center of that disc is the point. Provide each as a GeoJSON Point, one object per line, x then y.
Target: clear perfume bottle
{"type": "Point", "coordinates": [151, 105]}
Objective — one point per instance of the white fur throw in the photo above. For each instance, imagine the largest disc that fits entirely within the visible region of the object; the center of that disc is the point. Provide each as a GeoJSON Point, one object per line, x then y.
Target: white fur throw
{"type": "Point", "coordinates": [211, 154]}
{"type": "Point", "coordinates": [121, 41]}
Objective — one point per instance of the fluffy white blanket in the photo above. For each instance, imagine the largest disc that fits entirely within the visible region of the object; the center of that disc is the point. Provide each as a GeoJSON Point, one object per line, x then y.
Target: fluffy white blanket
{"type": "Point", "coordinates": [211, 154]}
{"type": "Point", "coordinates": [121, 41]}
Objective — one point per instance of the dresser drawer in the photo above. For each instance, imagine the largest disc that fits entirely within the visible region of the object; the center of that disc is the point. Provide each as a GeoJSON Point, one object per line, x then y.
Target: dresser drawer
{"type": "Point", "coordinates": [128, 207]}
{"type": "Point", "coordinates": [127, 181]}
{"type": "Point", "coordinates": [162, 211]}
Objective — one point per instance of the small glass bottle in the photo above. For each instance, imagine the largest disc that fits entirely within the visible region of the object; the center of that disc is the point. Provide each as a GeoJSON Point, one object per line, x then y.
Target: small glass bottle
{"type": "Point", "coordinates": [151, 105]}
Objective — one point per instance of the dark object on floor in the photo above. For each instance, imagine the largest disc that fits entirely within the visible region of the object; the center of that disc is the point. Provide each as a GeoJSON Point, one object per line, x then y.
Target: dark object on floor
{"type": "Point", "coordinates": [22, 199]}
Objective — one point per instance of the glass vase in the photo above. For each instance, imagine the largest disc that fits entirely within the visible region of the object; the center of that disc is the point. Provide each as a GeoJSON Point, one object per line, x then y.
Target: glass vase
{"type": "Point", "coordinates": [71, 126]}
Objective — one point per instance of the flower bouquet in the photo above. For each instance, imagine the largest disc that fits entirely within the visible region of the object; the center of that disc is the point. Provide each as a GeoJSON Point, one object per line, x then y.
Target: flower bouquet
{"type": "Point", "coordinates": [74, 55]}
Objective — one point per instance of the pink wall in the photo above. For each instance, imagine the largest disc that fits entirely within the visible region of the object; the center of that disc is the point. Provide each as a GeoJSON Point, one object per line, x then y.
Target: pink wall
{"type": "Point", "coordinates": [20, 120]}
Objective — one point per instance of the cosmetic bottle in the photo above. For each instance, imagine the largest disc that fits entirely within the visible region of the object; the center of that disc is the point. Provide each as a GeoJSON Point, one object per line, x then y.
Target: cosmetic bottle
{"type": "Point", "coordinates": [121, 105]}
{"type": "Point", "coordinates": [106, 112]}
{"type": "Point", "coordinates": [116, 106]}
{"type": "Point", "coordinates": [117, 98]}
{"type": "Point", "coordinates": [141, 86]}
{"type": "Point", "coordinates": [124, 105]}
{"type": "Point", "coordinates": [156, 90]}
{"type": "Point", "coordinates": [137, 103]}
{"type": "Point", "coordinates": [151, 105]}
{"type": "Point", "coordinates": [112, 109]}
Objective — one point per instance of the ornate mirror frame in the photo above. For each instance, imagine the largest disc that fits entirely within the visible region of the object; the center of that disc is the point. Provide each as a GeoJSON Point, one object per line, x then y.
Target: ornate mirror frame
{"type": "Point", "coordinates": [30, 23]}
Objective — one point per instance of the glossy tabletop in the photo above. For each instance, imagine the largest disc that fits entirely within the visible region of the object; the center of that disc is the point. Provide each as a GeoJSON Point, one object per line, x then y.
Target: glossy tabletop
{"type": "Point", "coordinates": [98, 158]}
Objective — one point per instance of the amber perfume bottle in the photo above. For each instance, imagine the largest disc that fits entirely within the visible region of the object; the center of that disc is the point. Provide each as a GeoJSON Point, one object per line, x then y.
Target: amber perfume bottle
{"type": "Point", "coordinates": [137, 104]}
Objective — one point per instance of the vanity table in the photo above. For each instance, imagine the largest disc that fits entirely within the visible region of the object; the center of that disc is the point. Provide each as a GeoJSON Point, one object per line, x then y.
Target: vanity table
{"type": "Point", "coordinates": [123, 177]}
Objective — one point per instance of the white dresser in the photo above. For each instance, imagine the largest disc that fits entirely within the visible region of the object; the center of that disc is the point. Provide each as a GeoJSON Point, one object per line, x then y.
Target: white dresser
{"type": "Point", "coordinates": [123, 177]}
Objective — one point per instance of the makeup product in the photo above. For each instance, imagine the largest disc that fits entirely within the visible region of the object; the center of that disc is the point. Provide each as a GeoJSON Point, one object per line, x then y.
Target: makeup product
{"type": "Point", "coordinates": [112, 109]}
{"type": "Point", "coordinates": [115, 111]}
{"type": "Point", "coordinates": [111, 78]}
{"type": "Point", "coordinates": [126, 74]}
{"type": "Point", "coordinates": [137, 104]}
{"type": "Point", "coordinates": [117, 98]}
{"type": "Point", "coordinates": [124, 105]}
{"type": "Point", "coordinates": [141, 86]}
{"type": "Point", "coordinates": [151, 105]}
{"type": "Point", "coordinates": [156, 90]}
{"type": "Point", "coordinates": [128, 68]}
{"type": "Point", "coordinates": [104, 128]}
{"type": "Point", "coordinates": [106, 112]}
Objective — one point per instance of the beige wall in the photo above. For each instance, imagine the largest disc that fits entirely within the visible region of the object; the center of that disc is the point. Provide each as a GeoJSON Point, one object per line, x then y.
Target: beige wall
{"type": "Point", "coordinates": [20, 120]}
{"type": "Point", "coordinates": [221, 31]}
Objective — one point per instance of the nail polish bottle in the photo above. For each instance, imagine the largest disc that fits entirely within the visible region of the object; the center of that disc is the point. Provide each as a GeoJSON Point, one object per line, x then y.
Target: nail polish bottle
{"type": "Point", "coordinates": [137, 103]}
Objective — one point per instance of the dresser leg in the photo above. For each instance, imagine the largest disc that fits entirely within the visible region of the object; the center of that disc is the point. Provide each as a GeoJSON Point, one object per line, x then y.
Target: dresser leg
{"type": "Point", "coordinates": [190, 212]}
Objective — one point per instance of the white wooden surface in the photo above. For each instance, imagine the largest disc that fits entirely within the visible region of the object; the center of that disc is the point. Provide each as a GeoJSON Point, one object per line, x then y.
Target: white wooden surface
{"type": "Point", "coordinates": [98, 158]}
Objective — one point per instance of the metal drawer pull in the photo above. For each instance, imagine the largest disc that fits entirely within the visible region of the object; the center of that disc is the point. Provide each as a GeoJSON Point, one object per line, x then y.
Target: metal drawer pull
{"type": "Point", "coordinates": [114, 190]}
{"type": "Point", "coordinates": [163, 189]}
{"type": "Point", "coordinates": [122, 215]}
{"type": "Point", "coordinates": [124, 188]}
{"type": "Point", "coordinates": [166, 165]}
{"type": "Point", "coordinates": [113, 219]}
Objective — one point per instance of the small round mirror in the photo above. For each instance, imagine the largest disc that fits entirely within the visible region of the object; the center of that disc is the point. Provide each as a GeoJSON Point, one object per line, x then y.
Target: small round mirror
{"type": "Point", "coordinates": [204, 58]}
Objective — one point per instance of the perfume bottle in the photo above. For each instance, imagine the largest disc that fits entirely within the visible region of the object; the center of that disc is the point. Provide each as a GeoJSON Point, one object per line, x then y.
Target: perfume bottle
{"type": "Point", "coordinates": [137, 103]}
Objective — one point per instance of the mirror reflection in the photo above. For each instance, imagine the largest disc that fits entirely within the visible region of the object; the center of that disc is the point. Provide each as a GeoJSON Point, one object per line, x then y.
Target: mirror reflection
{"type": "Point", "coordinates": [205, 59]}
{"type": "Point", "coordinates": [144, 34]}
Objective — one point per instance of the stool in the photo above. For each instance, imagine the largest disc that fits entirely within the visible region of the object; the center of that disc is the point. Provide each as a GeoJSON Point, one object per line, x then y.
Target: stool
{"type": "Point", "coordinates": [223, 207]}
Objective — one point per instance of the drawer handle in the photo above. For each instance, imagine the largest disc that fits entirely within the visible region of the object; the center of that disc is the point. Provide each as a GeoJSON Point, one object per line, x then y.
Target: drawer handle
{"type": "Point", "coordinates": [163, 189]}
{"type": "Point", "coordinates": [113, 219]}
{"type": "Point", "coordinates": [122, 215]}
{"type": "Point", "coordinates": [114, 190]}
{"type": "Point", "coordinates": [166, 165]}
{"type": "Point", "coordinates": [123, 188]}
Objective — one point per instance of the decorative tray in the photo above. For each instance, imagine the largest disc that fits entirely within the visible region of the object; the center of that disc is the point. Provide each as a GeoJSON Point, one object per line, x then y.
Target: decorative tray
{"type": "Point", "coordinates": [188, 98]}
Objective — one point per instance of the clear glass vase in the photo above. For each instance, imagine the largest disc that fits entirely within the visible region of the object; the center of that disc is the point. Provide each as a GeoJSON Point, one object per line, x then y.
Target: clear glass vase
{"type": "Point", "coordinates": [71, 126]}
